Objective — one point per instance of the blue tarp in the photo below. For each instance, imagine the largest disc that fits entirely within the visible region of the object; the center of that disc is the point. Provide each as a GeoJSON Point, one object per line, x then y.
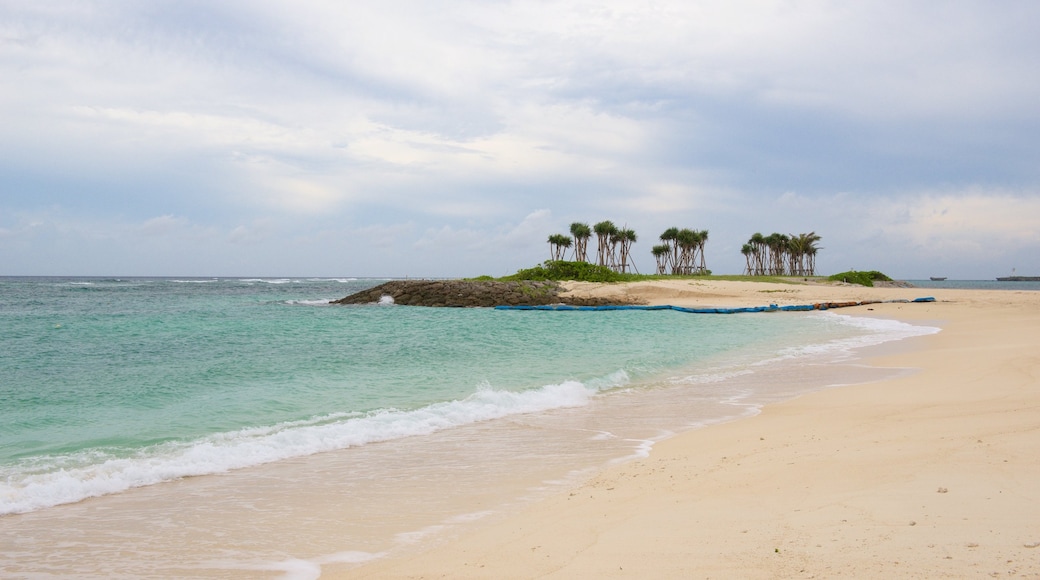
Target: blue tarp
{"type": "Point", "coordinates": [770, 308]}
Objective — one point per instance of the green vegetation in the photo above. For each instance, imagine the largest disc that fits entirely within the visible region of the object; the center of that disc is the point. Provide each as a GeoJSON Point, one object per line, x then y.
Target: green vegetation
{"type": "Point", "coordinates": [558, 244]}
{"type": "Point", "coordinates": [613, 245]}
{"type": "Point", "coordinates": [561, 270]}
{"type": "Point", "coordinates": [861, 278]}
{"type": "Point", "coordinates": [537, 293]}
{"type": "Point", "coordinates": [780, 254]}
{"type": "Point", "coordinates": [581, 233]}
{"type": "Point", "coordinates": [682, 251]}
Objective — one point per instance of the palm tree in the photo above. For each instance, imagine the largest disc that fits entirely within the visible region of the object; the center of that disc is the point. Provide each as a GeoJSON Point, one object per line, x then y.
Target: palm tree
{"type": "Point", "coordinates": [777, 252]}
{"type": "Point", "coordinates": [702, 239]}
{"type": "Point", "coordinates": [805, 245]}
{"type": "Point", "coordinates": [558, 243]}
{"type": "Point", "coordinates": [626, 237]}
{"type": "Point", "coordinates": [800, 247]}
{"type": "Point", "coordinates": [759, 247]}
{"type": "Point", "coordinates": [604, 230]}
{"type": "Point", "coordinates": [811, 252]}
{"type": "Point", "coordinates": [581, 233]}
{"type": "Point", "coordinates": [795, 255]}
{"type": "Point", "coordinates": [686, 239]}
{"type": "Point", "coordinates": [612, 249]}
{"type": "Point", "coordinates": [781, 255]}
{"type": "Point", "coordinates": [661, 253]}
{"type": "Point", "coordinates": [668, 237]}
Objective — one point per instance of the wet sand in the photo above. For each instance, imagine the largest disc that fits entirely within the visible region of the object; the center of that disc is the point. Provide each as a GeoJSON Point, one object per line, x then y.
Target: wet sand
{"type": "Point", "coordinates": [931, 474]}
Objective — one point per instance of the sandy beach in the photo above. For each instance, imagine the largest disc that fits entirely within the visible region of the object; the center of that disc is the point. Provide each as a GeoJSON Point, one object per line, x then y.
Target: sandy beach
{"type": "Point", "coordinates": [930, 475]}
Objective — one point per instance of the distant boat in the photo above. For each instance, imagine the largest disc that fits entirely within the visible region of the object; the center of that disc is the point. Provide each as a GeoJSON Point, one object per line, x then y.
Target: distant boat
{"type": "Point", "coordinates": [937, 278]}
{"type": "Point", "coordinates": [1014, 278]}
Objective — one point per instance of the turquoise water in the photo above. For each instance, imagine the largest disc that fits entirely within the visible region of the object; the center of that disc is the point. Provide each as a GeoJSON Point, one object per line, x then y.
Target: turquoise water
{"type": "Point", "coordinates": [113, 384]}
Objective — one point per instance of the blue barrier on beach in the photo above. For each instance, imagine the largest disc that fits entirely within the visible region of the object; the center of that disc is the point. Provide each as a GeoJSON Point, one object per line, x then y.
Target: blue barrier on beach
{"type": "Point", "coordinates": [770, 308]}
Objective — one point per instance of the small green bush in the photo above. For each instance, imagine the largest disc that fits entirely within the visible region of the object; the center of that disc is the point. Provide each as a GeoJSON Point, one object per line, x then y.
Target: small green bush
{"type": "Point", "coordinates": [562, 270]}
{"type": "Point", "coordinates": [861, 278]}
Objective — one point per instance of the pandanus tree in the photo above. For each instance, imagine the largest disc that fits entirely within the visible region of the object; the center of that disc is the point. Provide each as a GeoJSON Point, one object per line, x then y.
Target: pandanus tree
{"type": "Point", "coordinates": [777, 251]}
{"type": "Point", "coordinates": [625, 238]}
{"type": "Point", "coordinates": [747, 250]}
{"type": "Point", "coordinates": [558, 244]}
{"type": "Point", "coordinates": [781, 254]}
{"type": "Point", "coordinates": [668, 237]}
{"type": "Point", "coordinates": [686, 239]}
{"type": "Point", "coordinates": [662, 253]}
{"type": "Point", "coordinates": [683, 251]}
{"type": "Point", "coordinates": [604, 230]}
{"type": "Point", "coordinates": [759, 254]}
{"type": "Point", "coordinates": [802, 249]}
{"type": "Point", "coordinates": [581, 232]}
{"type": "Point", "coordinates": [811, 256]}
{"type": "Point", "coordinates": [702, 240]}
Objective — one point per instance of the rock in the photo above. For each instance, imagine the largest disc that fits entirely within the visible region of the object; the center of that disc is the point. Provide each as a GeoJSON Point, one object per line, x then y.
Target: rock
{"type": "Point", "coordinates": [471, 293]}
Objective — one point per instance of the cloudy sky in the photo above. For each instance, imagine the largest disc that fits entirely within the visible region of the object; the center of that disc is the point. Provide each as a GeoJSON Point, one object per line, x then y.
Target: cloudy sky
{"type": "Point", "coordinates": [451, 138]}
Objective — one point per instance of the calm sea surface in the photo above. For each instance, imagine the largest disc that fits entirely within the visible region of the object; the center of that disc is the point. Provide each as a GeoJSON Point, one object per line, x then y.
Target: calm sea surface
{"type": "Point", "coordinates": [124, 389]}
{"type": "Point", "coordinates": [975, 284]}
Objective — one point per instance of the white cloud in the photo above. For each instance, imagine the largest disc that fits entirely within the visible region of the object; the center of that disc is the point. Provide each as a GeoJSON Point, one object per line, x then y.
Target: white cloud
{"type": "Point", "coordinates": [457, 117]}
{"type": "Point", "coordinates": [974, 219]}
{"type": "Point", "coordinates": [531, 229]}
{"type": "Point", "coordinates": [162, 225]}
{"type": "Point", "coordinates": [256, 232]}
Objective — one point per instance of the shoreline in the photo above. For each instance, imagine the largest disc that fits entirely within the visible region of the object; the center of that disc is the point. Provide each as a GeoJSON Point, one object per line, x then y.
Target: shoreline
{"type": "Point", "coordinates": [406, 494]}
{"type": "Point", "coordinates": [924, 475]}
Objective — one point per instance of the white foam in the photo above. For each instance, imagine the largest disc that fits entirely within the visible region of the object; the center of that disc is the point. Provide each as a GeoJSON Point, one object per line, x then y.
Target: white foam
{"type": "Point", "coordinates": [65, 479]}
{"type": "Point", "coordinates": [267, 280]}
{"type": "Point", "coordinates": [877, 331]}
{"type": "Point", "coordinates": [707, 377]}
{"type": "Point", "coordinates": [300, 569]}
{"type": "Point", "coordinates": [321, 302]}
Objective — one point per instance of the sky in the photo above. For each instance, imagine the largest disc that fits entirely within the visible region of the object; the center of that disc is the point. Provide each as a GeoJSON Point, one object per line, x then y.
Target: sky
{"type": "Point", "coordinates": [434, 138]}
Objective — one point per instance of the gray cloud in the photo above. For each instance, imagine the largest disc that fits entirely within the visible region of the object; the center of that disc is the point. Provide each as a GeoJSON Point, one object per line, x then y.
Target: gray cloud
{"type": "Point", "coordinates": [292, 125]}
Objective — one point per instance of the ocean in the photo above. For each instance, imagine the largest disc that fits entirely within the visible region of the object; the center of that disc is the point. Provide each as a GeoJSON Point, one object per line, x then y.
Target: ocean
{"type": "Point", "coordinates": [245, 427]}
{"type": "Point", "coordinates": [976, 284]}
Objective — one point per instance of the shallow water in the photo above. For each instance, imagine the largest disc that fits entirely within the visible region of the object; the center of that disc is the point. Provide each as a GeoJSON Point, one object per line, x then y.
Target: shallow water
{"type": "Point", "coordinates": [318, 434]}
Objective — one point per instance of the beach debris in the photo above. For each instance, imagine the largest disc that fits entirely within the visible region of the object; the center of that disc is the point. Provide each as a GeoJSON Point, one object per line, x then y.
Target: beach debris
{"type": "Point", "coordinates": [942, 490]}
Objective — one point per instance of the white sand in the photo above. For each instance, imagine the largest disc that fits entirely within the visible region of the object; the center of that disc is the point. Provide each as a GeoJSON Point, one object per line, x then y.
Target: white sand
{"type": "Point", "coordinates": [932, 475]}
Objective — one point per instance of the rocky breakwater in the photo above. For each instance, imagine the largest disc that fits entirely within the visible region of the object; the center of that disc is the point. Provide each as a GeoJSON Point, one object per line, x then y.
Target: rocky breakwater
{"type": "Point", "coordinates": [472, 293]}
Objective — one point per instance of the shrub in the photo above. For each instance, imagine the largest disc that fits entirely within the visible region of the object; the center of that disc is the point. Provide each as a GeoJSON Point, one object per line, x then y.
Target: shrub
{"type": "Point", "coordinates": [861, 278]}
{"type": "Point", "coordinates": [563, 270]}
